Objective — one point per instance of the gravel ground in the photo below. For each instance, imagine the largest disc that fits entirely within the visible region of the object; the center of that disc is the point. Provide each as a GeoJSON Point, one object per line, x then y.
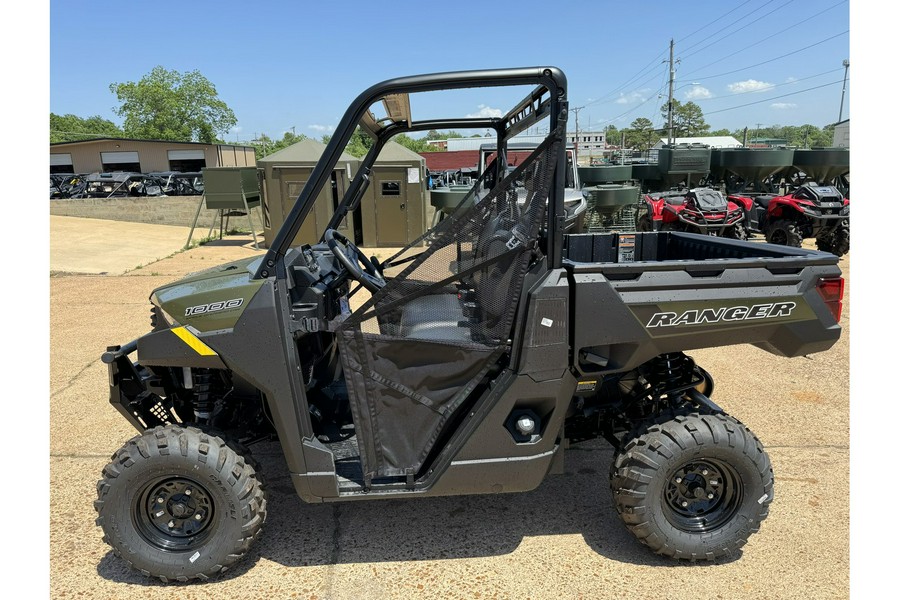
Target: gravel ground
{"type": "Point", "coordinates": [562, 540]}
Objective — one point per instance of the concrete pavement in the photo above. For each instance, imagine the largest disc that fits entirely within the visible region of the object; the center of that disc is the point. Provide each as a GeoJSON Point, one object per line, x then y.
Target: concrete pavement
{"type": "Point", "coordinates": [564, 540]}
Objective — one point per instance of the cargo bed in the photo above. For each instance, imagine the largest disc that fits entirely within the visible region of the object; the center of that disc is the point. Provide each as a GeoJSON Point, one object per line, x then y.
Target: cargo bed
{"type": "Point", "coordinates": [661, 292]}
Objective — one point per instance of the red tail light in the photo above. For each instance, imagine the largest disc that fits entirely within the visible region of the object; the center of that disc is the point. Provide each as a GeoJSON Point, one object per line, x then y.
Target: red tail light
{"type": "Point", "coordinates": [832, 292]}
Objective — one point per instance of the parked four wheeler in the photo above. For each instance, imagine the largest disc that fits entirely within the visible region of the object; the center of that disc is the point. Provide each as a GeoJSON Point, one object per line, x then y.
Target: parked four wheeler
{"type": "Point", "coordinates": [699, 210]}
{"type": "Point", "coordinates": [119, 183]}
{"type": "Point", "coordinates": [468, 364]}
{"type": "Point", "coordinates": [811, 211]}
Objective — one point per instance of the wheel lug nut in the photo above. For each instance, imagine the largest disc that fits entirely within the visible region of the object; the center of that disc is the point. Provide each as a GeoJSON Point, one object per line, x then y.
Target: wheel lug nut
{"type": "Point", "coordinates": [187, 492]}
{"type": "Point", "coordinates": [704, 472]}
{"type": "Point", "coordinates": [171, 524]}
{"type": "Point", "coordinates": [710, 496]}
{"type": "Point", "coordinates": [684, 504]}
{"type": "Point", "coordinates": [678, 480]}
{"type": "Point", "coordinates": [198, 516]}
{"type": "Point", "coordinates": [160, 500]}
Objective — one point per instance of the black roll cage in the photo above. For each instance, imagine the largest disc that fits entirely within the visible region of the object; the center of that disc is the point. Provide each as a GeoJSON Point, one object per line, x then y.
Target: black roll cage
{"type": "Point", "coordinates": [549, 81]}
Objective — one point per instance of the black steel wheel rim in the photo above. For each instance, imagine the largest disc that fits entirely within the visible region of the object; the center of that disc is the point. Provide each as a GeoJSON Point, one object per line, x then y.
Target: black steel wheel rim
{"type": "Point", "coordinates": [702, 495]}
{"type": "Point", "coordinates": [779, 237]}
{"type": "Point", "coordinates": [174, 513]}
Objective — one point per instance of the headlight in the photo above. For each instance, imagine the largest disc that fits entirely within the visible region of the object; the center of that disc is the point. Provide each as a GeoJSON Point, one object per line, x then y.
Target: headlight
{"type": "Point", "coordinates": [160, 319]}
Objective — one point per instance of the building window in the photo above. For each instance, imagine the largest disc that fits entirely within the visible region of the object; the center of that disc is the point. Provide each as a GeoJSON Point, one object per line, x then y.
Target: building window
{"type": "Point", "coordinates": [390, 188]}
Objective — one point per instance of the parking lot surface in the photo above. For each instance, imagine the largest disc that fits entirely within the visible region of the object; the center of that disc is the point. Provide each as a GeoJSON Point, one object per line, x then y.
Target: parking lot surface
{"type": "Point", "coordinates": [563, 540]}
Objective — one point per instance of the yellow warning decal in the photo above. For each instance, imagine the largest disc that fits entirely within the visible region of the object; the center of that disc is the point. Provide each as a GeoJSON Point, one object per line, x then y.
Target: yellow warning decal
{"type": "Point", "coordinates": [193, 341]}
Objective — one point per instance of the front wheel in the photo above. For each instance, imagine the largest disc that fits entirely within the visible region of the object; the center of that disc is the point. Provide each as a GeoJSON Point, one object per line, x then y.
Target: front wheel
{"type": "Point", "coordinates": [177, 503]}
{"type": "Point", "coordinates": [837, 242]}
{"type": "Point", "coordinates": [784, 232]}
{"type": "Point", "coordinates": [694, 487]}
{"type": "Point", "coordinates": [737, 232]}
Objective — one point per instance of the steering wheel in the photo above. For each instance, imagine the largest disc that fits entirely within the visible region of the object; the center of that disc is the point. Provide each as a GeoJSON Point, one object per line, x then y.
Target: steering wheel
{"type": "Point", "coordinates": [350, 257]}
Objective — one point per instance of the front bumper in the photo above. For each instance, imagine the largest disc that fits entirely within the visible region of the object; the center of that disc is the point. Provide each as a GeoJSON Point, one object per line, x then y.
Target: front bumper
{"type": "Point", "coordinates": [134, 390]}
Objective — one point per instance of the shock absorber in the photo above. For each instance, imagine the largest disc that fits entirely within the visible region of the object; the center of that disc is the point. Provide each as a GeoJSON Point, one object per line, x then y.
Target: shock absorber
{"type": "Point", "coordinates": [670, 371]}
{"type": "Point", "coordinates": [203, 398]}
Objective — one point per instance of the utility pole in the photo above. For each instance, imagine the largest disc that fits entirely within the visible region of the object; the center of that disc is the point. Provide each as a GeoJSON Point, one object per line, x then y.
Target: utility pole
{"type": "Point", "coordinates": [846, 64]}
{"type": "Point", "coordinates": [671, 86]}
{"type": "Point", "coordinates": [576, 111]}
{"type": "Point", "coordinates": [757, 132]}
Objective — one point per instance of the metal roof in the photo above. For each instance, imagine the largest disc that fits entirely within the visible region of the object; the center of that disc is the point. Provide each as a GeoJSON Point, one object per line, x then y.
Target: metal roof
{"type": "Point", "coordinates": [112, 139]}
{"type": "Point", "coordinates": [394, 152]}
{"type": "Point", "coordinates": [715, 141]}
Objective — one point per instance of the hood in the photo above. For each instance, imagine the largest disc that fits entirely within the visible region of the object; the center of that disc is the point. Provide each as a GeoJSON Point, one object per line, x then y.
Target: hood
{"type": "Point", "coordinates": [211, 299]}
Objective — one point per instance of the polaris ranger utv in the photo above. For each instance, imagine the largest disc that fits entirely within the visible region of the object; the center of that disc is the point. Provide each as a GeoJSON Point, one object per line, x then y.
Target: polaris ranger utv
{"type": "Point", "coordinates": [469, 362]}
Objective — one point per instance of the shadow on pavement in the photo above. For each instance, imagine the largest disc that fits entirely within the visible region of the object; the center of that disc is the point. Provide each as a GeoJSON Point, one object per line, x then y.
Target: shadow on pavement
{"type": "Point", "coordinates": [297, 534]}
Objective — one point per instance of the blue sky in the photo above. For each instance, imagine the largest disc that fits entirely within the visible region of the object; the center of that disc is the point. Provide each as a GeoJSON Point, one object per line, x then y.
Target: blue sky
{"type": "Point", "coordinates": [280, 65]}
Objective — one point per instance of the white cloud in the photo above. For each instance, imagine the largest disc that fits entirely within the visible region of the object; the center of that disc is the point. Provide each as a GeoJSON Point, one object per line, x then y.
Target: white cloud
{"type": "Point", "coordinates": [235, 130]}
{"type": "Point", "coordinates": [697, 92]}
{"type": "Point", "coordinates": [322, 128]}
{"type": "Point", "coordinates": [485, 112]}
{"type": "Point", "coordinates": [783, 105]}
{"type": "Point", "coordinates": [751, 85]}
{"type": "Point", "coordinates": [631, 97]}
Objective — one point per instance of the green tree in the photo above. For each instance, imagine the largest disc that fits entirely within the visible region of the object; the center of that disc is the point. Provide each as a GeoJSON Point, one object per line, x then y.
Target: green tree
{"type": "Point", "coordinates": [641, 134]}
{"type": "Point", "coordinates": [359, 144]}
{"type": "Point", "coordinates": [687, 119]}
{"type": "Point", "coordinates": [416, 145]}
{"type": "Point", "coordinates": [169, 105]}
{"type": "Point", "coordinates": [71, 128]}
{"type": "Point", "coordinates": [264, 145]}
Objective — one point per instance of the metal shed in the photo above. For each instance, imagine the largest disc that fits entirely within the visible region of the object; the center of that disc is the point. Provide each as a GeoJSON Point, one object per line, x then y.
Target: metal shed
{"type": "Point", "coordinates": [394, 205]}
{"type": "Point", "coordinates": [283, 175]}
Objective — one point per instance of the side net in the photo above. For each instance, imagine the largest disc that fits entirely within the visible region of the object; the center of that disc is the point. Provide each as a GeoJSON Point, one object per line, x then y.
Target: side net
{"type": "Point", "coordinates": [420, 345]}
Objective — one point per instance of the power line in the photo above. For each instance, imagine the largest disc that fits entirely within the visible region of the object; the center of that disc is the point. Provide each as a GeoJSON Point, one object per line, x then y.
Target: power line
{"type": "Point", "coordinates": [640, 73]}
{"type": "Point", "coordinates": [772, 59]}
{"type": "Point", "coordinates": [769, 87]}
{"type": "Point", "coordinates": [792, 26]}
{"type": "Point", "coordinates": [658, 91]}
{"type": "Point", "coordinates": [609, 98]}
{"type": "Point", "coordinates": [738, 20]}
{"type": "Point", "coordinates": [727, 33]}
{"type": "Point", "coordinates": [714, 20]}
{"type": "Point", "coordinates": [712, 112]}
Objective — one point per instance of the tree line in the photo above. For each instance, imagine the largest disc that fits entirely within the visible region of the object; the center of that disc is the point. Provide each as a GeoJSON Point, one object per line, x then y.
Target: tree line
{"type": "Point", "coordinates": [185, 107]}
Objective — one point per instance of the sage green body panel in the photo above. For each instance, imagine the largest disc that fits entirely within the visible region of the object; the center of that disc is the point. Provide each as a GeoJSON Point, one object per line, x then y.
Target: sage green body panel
{"type": "Point", "coordinates": [210, 300]}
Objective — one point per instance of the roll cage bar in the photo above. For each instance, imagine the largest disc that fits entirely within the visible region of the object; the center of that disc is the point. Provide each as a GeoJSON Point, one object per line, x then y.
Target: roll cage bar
{"type": "Point", "coordinates": [547, 99]}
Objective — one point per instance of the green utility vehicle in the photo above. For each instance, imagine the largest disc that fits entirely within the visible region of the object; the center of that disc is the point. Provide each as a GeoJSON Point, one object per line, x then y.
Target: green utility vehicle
{"type": "Point", "coordinates": [467, 363]}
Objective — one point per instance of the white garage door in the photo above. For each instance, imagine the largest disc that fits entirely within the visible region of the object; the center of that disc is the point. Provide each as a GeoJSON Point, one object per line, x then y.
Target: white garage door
{"type": "Point", "coordinates": [60, 160]}
{"type": "Point", "coordinates": [186, 155]}
{"type": "Point", "coordinates": [114, 158]}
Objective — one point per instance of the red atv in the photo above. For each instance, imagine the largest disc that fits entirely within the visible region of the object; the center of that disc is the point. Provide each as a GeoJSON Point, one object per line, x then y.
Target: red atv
{"type": "Point", "coordinates": [811, 211]}
{"type": "Point", "coordinates": [700, 210]}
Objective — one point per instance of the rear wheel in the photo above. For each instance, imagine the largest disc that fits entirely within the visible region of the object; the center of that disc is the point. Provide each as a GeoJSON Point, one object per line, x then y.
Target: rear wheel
{"type": "Point", "coordinates": [177, 503]}
{"type": "Point", "coordinates": [785, 233]}
{"type": "Point", "coordinates": [694, 487]}
{"type": "Point", "coordinates": [644, 224]}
